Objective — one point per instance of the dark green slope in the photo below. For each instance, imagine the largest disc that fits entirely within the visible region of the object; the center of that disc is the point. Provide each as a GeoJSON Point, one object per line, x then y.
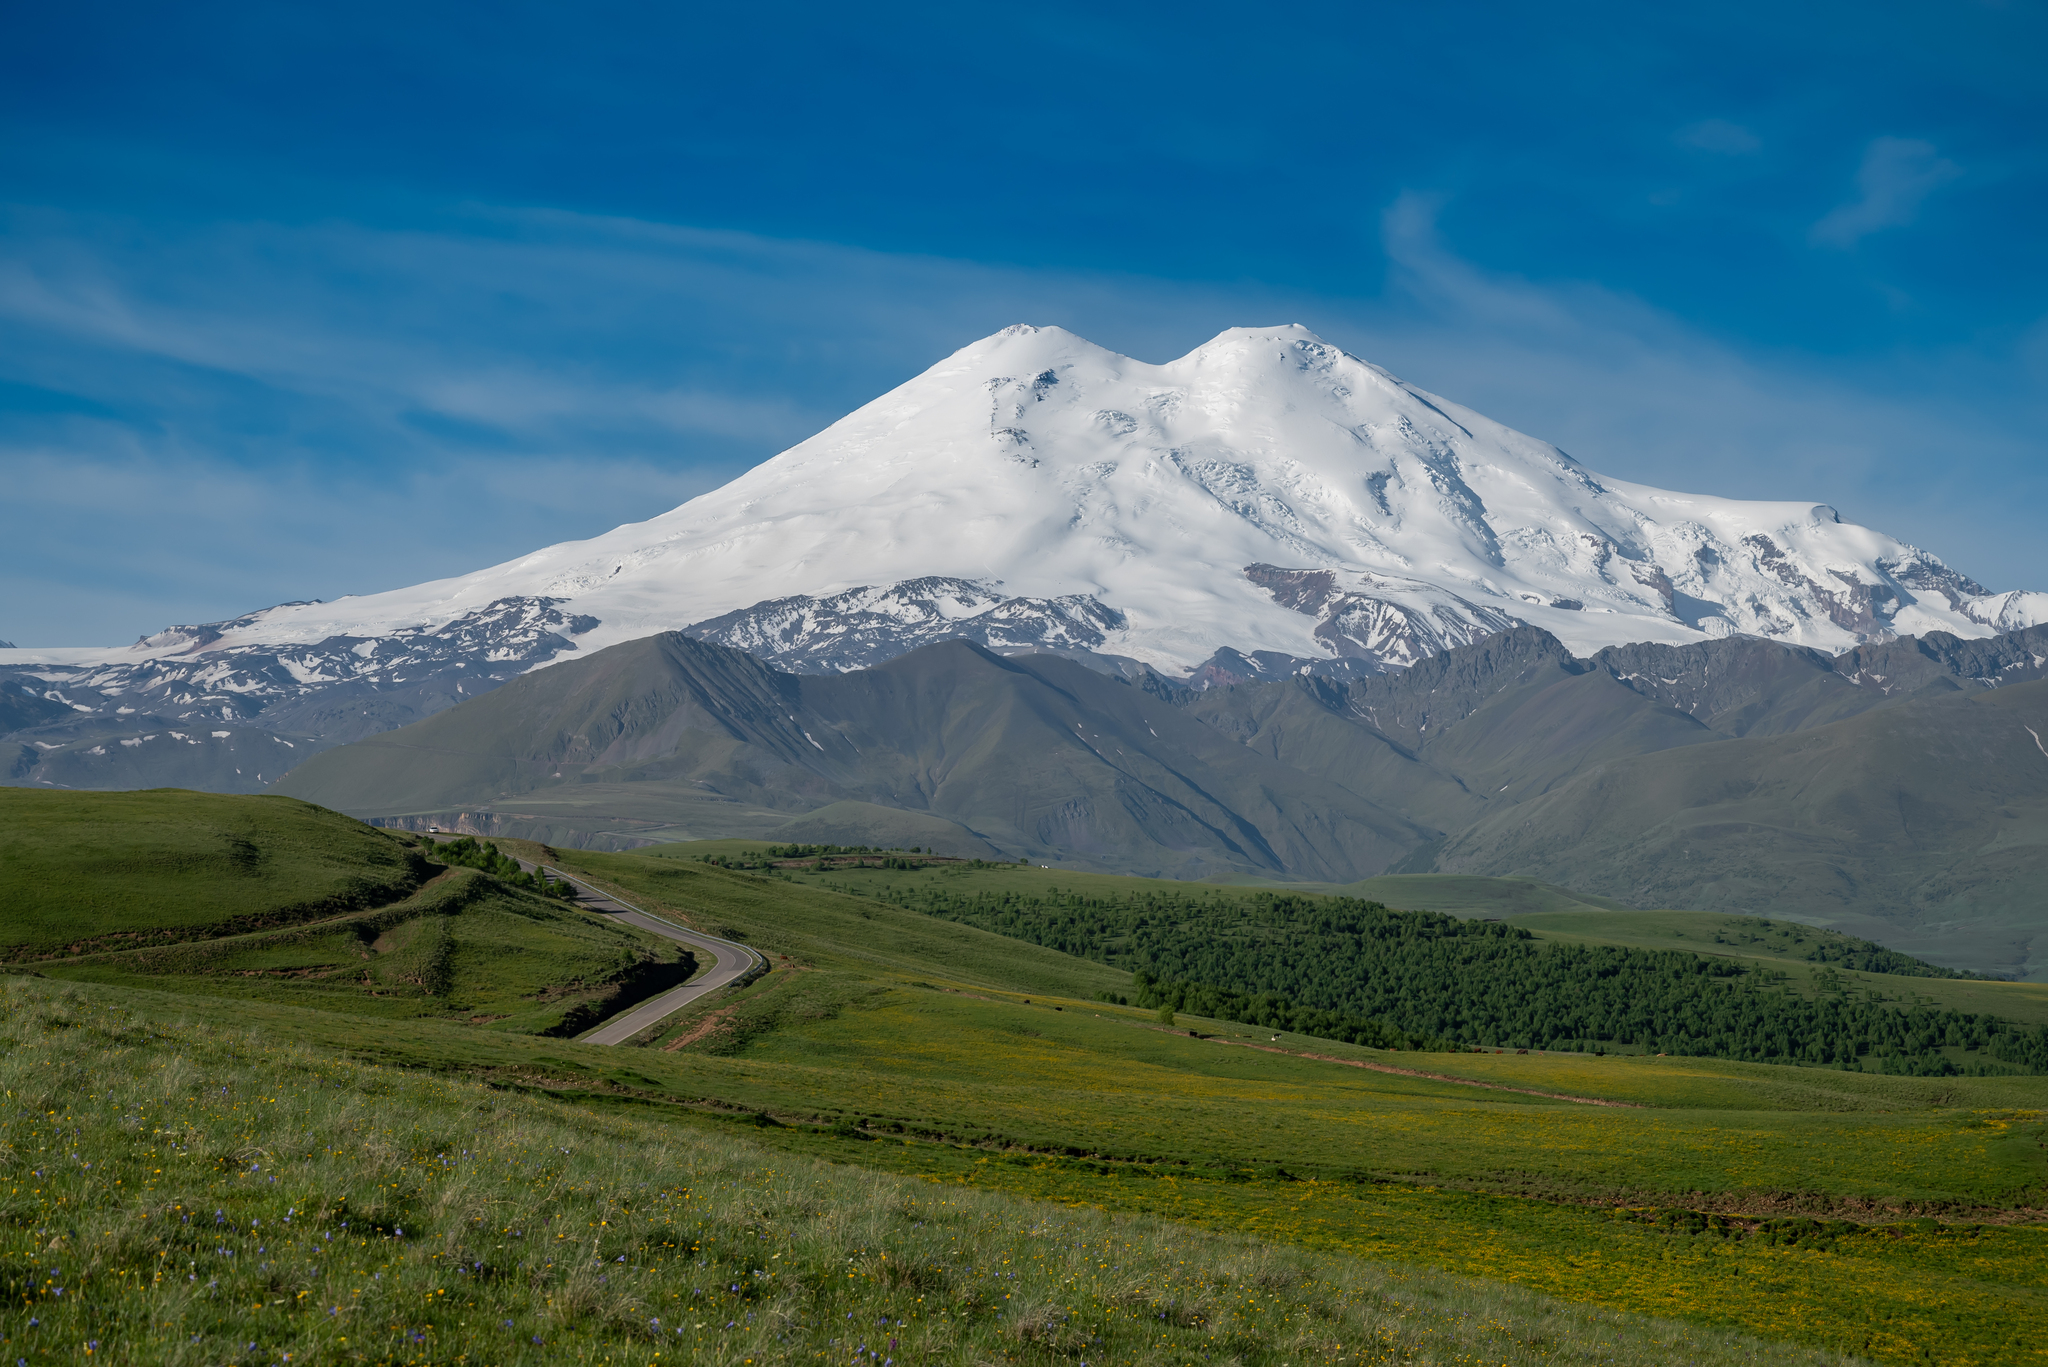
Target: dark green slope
{"type": "Point", "coordinates": [1923, 825]}
{"type": "Point", "coordinates": [661, 709]}
{"type": "Point", "coordinates": [1038, 755]}
{"type": "Point", "coordinates": [1511, 717]}
{"type": "Point", "coordinates": [1737, 775]}
{"type": "Point", "coordinates": [143, 752]}
{"type": "Point", "coordinates": [1740, 686]}
{"type": "Point", "coordinates": [1042, 753]}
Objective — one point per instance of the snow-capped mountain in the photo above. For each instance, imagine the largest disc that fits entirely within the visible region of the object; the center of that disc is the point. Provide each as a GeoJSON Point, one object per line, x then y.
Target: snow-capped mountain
{"type": "Point", "coordinates": [1266, 495]}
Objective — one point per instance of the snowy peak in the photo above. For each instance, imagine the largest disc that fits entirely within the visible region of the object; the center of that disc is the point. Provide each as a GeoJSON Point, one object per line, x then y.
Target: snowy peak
{"type": "Point", "coordinates": [1266, 493]}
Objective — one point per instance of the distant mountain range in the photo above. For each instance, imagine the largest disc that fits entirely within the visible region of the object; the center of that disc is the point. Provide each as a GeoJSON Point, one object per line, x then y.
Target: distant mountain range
{"type": "Point", "coordinates": [1267, 611]}
{"type": "Point", "coordinates": [1899, 791]}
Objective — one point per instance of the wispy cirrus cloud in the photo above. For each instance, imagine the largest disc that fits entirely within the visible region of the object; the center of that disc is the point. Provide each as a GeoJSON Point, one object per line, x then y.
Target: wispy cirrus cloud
{"type": "Point", "coordinates": [1896, 177]}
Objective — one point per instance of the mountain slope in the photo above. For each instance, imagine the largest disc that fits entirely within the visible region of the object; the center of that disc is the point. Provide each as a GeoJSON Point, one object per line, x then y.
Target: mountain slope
{"type": "Point", "coordinates": [1037, 756]}
{"type": "Point", "coordinates": [1923, 825]}
{"type": "Point", "coordinates": [1852, 799]}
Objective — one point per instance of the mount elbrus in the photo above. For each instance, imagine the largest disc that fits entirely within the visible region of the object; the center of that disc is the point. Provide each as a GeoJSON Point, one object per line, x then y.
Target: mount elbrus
{"type": "Point", "coordinates": [1262, 508]}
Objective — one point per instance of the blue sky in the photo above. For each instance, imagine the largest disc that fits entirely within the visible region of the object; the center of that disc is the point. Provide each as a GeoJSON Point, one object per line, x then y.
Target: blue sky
{"type": "Point", "coordinates": [298, 303]}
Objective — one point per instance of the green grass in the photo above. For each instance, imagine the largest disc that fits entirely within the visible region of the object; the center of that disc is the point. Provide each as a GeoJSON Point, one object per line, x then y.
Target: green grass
{"type": "Point", "coordinates": [817, 925]}
{"type": "Point", "coordinates": [178, 1194]}
{"type": "Point", "coordinates": [948, 1045]}
{"type": "Point", "coordinates": [465, 947]}
{"type": "Point", "coordinates": [1793, 1203]}
{"type": "Point", "coordinates": [99, 870]}
{"type": "Point", "coordinates": [1551, 913]}
{"type": "Point", "coordinates": [1951, 1293]}
{"type": "Point", "coordinates": [1880, 1009]}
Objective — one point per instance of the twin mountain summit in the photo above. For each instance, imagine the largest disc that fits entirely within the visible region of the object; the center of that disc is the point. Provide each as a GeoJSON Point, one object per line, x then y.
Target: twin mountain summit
{"type": "Point", "coordinates": [1263, 612]}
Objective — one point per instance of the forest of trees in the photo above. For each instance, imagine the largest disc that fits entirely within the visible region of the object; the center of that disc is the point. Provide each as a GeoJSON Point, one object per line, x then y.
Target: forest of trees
{"type": "Point", "coordinates": [1347, 969]}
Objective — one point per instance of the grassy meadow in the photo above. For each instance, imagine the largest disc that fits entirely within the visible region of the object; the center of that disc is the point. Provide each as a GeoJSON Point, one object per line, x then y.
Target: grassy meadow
{"type": "Point", "coordinates": [1784, 947]}
{"type": "Point", "coordinates": [897, 1106]}
{"type": "Point", "coordinates": [179, 1194]}
{"type": "Point", "coordinates": [90, 870]}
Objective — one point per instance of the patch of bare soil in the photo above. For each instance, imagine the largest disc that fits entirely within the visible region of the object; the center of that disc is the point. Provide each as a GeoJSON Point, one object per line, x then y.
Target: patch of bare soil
{"type": "Point", "coordinates": [698, 1031]}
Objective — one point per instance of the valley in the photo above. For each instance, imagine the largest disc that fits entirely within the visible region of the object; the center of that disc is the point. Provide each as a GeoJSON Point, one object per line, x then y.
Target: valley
{"type": "Point", "coordinates": [1183, 929]}
{"type": "Point", "coordinates": [1760, 780]}
{"type": "Point", "coordinates": [1858, 1212]}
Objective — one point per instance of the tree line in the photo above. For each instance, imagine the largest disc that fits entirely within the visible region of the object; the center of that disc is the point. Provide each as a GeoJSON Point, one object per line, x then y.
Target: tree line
{"type": "Point", "coordinates": [1345, 968]}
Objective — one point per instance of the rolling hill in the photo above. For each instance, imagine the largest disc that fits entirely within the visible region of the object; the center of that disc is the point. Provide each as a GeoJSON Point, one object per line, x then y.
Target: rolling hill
{"type": "Point", "coordinates": [1923, 825]}
{"type": "Point", "coordinates": [336, 1141]}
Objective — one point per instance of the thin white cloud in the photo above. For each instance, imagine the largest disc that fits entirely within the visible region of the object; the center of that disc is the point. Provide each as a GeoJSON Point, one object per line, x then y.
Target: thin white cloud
{"type": "Point", "coordinates": [1897, 175]}
{"type": "Point", "coordinates": [422, 357]}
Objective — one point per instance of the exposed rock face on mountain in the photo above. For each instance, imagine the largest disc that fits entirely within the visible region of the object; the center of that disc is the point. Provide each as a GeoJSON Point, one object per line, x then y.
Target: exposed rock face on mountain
{"type": "Point", "coordinates": [202, 707]}
{"type": "Point", "coordinates": [1382, 621]}
{"type": "Point", "coordinates": [1264, 505]}
{"type": "Point", "coordinates": [866, 626]}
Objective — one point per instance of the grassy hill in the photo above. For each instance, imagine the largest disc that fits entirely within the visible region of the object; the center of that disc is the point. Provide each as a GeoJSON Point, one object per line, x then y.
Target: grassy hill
{"type": "Point", "coordinates": [463, 948]}
{"type": "Point", "coordinates": [970, 1089]}
{"type": "Point", "coordinates": [1102, 1105]}
{"type": "Point", "coordinates": [272, 899]}
{"type": "Point", "coordinates": [1255, 940]}
{"type": "Point", "coordinates": [87, 870]}
{"type": "Point", "coordinates": [1808, 959]}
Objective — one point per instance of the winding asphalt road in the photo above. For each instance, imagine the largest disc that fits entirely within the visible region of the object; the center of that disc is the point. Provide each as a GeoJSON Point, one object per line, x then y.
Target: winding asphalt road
{"type": "Point", "coordinates": [729, 961]}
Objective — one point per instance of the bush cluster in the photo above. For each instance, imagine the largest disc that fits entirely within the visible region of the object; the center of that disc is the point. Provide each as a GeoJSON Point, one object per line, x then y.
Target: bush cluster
{"type": "Point", "coordinates": [467, 853]}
